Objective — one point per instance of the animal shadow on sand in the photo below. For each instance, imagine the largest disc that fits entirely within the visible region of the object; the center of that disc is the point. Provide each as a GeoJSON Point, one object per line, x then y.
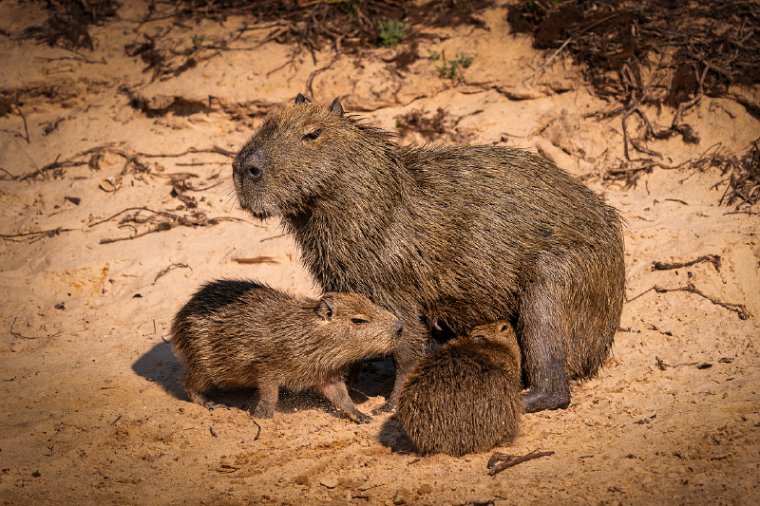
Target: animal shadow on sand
{"type": "Point", "coordinates": [376, 378]}
{"type": "Point", "coordinates": [392, 436]}
{"type": "Point", "coordinates": [159, 365]}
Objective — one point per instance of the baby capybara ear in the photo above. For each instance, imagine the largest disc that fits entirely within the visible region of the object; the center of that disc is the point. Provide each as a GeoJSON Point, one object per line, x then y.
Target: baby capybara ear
{"type": "Point", "coordinates": [300, 99]}
{"type": "Point", "coordinates": [326, 307]}
{"type": "Point", "coordinates": [336, 107]}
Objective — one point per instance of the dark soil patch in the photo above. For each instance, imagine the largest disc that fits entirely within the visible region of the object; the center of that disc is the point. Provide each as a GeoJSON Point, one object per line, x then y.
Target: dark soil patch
{"type": "Point", "coordinates": [650, 51]}
{"type": "Point", "coordinates": [347, 25]}
{"type": "Point", "coordinates": [67, 25]}
{"type": "Point", "coordinates": [431, 127]}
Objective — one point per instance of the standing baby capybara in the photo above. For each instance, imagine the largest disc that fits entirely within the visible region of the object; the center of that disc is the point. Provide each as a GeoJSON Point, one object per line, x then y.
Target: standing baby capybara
{"type": "Point", "coordinates": [470, 233]}
{"type": "Point", "coordinates": [465, 396]}
{"type": "Point", "coordinates": [238, 334]}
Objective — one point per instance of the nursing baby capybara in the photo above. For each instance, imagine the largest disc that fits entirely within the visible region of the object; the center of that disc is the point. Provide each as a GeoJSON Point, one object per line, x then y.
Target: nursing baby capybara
{"type": "Point", "coordinates": [465, 396]}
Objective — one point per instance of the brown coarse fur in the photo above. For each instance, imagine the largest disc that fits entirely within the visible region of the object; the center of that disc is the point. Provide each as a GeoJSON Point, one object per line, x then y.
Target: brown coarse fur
{"type": "Point", "coordinates": [469, 233]}
{"type": "Point", "coordinates": [236, 334]}
{"type": "Point", "coordinates": [465, 397]}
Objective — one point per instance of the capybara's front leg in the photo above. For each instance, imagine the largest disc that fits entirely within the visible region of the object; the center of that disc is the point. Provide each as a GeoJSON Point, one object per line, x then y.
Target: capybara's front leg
{"type": "Point", "coordinates": [336, 392]}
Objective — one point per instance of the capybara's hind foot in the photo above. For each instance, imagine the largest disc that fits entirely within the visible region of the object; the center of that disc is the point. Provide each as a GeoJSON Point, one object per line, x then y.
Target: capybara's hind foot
{"type": "Point", "coordinates": [204, 401]}
{"type": "Point", "coordinates": [540, 400]}
{"type": "Point", "coordinates": [336, 392]}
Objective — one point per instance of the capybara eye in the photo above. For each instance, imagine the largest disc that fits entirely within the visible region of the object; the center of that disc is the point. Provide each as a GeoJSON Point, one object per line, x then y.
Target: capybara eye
{"type": "Point", "coordinates": [358, 321]}
{"type": "Point", "coordinates": [311, 135]}
{"type": "Point", "coordinates": [503, 328]}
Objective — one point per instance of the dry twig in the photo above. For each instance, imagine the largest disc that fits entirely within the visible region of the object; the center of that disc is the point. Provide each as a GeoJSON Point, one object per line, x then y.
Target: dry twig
{"type": "Point", "coordinates": [663, 266]}
{"type": "Point", "coordinates": [165, 270]}
{"type": "Point", "coordinates": [501, 461]}
{"type": "Point", "coordinates": [21, 336]}
{"type": "Point", "coordinates": [255, 260]}
{"type": "Point", "coordinates": [740, 309]}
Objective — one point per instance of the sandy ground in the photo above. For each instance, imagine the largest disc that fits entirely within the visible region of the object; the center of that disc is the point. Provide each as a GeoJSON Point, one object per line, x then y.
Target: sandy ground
{"type": "Point", "coordinates": [91, 409]}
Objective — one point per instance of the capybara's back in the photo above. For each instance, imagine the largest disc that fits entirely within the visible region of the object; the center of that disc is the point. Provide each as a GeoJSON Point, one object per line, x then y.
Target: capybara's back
{"type": "Point", "coordinates": [236, 334]}
{"type": "Point", "coordinates": [465, 396]}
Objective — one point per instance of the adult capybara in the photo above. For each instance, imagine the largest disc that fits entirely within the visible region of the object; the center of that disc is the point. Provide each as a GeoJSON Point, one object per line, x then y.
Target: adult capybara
{"type": "Point", "coordinates": [470, 233]}
{"type": "Point", "coordinates": [465, 396]}
{"type": "Point", "coordinates": [234, 334]}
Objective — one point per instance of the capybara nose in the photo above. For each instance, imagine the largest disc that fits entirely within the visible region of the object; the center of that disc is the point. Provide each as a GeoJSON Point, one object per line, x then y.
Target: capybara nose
{"type": "Point", "coordinates": [250, 164]}
{"type": "Point", "coordinates": [254, 172]}
{"type": "Point", "coordinates": [399, 329]}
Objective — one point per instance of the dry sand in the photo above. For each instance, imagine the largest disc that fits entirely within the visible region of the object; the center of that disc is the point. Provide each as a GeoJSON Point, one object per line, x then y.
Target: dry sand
{"type": "Point", "coordinates": [91, 410]}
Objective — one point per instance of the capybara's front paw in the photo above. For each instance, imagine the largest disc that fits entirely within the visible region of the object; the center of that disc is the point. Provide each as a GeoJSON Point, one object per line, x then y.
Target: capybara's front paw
{"type": "Point", "coordinates": [263, 411]}
{"type": "Point", "coordinates": [385, 408]}
{"type": "Point", "coordinates": [360, 418]}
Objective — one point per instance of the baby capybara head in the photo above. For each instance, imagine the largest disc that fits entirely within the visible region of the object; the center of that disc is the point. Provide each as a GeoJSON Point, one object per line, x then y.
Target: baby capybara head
{"type": "Point", "coordinates": [500, 331]}
{"type": "Point", "coordinates": [296, 155]}
{"type": "Point", "coordinates": [354, 319]}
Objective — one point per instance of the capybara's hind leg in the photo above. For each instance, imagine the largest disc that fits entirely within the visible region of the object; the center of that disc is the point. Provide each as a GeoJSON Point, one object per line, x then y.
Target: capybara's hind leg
{"type": "Point", "coordinates": [542, 326]}
{"type": "Point", "coordinates": [337, 393]}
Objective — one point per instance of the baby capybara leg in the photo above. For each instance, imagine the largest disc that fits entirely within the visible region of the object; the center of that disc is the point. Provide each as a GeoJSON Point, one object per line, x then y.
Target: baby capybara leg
{"type": "Point", "coordinates": [336, 392]}
{"type": "Point", "coordinates": [196, 389]}
{"type": "Point", "coordinates": [269, 392]}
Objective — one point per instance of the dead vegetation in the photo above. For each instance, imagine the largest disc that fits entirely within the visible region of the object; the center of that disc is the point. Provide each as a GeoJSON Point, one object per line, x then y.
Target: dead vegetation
{"type": "Point", "coordinates": [638, 55]}
{"type": "Point", "coordinates": [643, 55]}
{"type": "Point", "coordinates": [69, 20]}
{"type": "Point", "coordinates": [140, 220]}
{"type": "Point", "coordinates": [347, 26]}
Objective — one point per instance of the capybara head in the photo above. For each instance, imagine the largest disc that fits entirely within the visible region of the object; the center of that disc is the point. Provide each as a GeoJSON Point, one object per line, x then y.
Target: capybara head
{"type": "Point", "coordinates": [295, 156]}
{"type": "Point", "coordinates": [353, 318]}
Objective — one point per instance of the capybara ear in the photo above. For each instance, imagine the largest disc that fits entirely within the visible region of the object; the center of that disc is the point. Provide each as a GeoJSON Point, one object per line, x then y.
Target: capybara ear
{"type": "Point", "coordinates": [300, 99]}
{"type": "Point", "coordinates": [326, 307]}
{"type": "Point", "coordinates": [336, 107]}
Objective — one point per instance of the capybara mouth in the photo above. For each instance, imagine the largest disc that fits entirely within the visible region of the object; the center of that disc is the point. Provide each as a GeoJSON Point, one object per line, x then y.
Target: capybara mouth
{"type": "Point", "coordinates": [257, 213]}
{"type": "Point", "coordinates": [262, 215]}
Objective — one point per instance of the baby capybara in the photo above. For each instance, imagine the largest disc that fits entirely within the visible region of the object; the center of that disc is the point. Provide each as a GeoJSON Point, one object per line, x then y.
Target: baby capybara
{"type": "Point", "coordinates": [465, 396]}
{"type": "Point", "coordinates": [237, 334]}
